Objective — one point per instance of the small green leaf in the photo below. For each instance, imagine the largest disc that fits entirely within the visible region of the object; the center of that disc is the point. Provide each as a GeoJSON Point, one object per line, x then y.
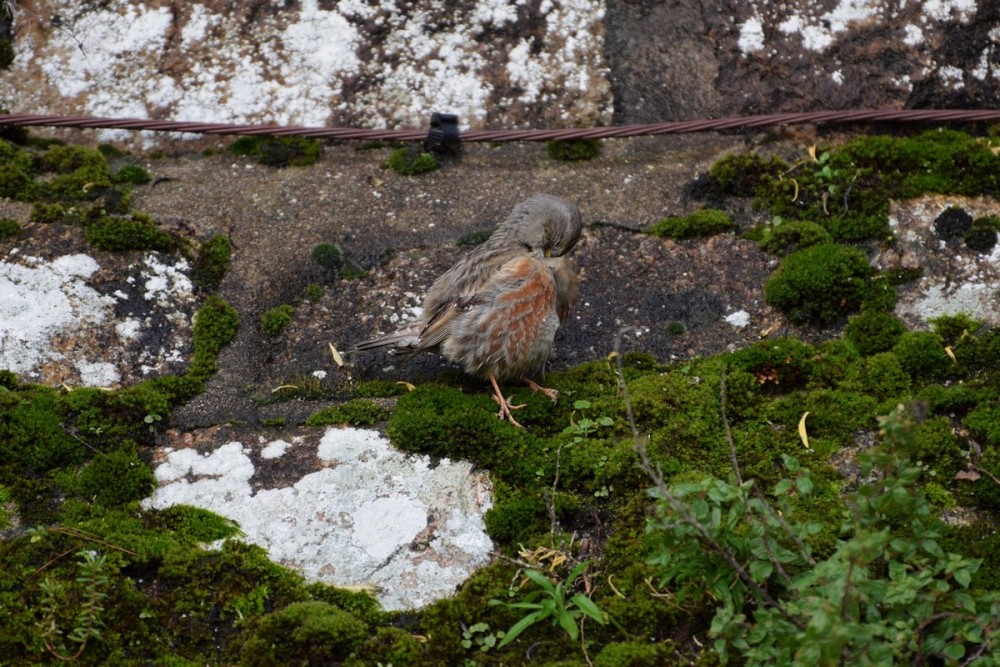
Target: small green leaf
{"type": "Point", "coordinates": [568, 624]}
{"type": "Point", "coordinates": [539, 579]}
{"type": "Point", "coordinates": [520, 627]}
{"type": "Point", "coordinates": [588, 607]}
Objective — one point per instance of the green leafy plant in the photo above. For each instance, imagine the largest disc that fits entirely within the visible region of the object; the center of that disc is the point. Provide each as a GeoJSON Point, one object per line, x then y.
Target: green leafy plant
{"type": "Point", "coordinates": [410, 161]}
{"type": "Point", "coordinates": [887, 593]}
{"type": "Point", "coordinates": [553, 601]}
{"type": "Point", "coordinates": [478, 635]}
{"type": "Point", "coordinates": [89, 591]}
{"type": "Point", "coordinates": [583, 427]}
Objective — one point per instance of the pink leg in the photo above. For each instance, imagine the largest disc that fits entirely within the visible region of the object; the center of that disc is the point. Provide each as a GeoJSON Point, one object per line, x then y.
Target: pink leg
{"type": "Point", "coordinates": [505, 405]}
{"type": "Point", "coordinates": [551, 393]}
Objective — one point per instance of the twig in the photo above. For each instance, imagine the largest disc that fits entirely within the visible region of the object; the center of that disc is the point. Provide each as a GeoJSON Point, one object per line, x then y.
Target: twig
{"type": "Point", "coordinates": [729, 432]}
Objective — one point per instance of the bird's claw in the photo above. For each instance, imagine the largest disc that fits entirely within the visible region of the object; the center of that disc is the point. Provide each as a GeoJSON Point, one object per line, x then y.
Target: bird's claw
{"type": "Point", "coordinates": [506, 407]}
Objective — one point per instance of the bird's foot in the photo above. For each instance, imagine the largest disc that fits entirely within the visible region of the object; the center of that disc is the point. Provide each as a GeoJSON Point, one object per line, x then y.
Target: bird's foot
{"type": "Point", "coordinates": [553, 394]}
{"type": "Point", "coordinates": [506, 407]}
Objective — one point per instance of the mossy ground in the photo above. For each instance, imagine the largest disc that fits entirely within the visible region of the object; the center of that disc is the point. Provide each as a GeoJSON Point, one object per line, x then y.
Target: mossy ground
{"type": "Point", "coordinates": [75, 463]}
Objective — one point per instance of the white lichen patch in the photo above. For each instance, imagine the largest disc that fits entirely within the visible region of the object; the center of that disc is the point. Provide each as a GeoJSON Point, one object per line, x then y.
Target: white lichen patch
{"type": "Point", "coordinates": [371, 517]}
{"type": "Point", "coordinates": [61, 322]}
{"type": "Point", "coordinates": [302, 63]}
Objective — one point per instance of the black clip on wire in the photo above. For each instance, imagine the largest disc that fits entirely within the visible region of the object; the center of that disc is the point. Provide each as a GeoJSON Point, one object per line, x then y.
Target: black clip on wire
{"type": "Point", "coordinates": [443, 135]}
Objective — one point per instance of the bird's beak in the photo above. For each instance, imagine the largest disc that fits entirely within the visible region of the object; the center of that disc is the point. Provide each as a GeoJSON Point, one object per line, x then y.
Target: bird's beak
{"type": "Point", "coordinates": [548, 252]}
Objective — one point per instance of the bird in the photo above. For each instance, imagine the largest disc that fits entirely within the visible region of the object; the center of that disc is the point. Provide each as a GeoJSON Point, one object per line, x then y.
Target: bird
{"type": "Point", "coordinates": [497, 310]}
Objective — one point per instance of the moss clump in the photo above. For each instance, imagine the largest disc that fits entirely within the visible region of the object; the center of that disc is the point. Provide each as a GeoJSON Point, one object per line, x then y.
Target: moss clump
{"type": "Point", "coordinates": [212, 263]}
{"type": "Point", "coordinates": [133, 479]}
{"type": "Point", "coordinates": [743, 175]}
{"type": "Point", "coordinates": [922, 355]}
{"type": "Point", "coordinates": [788, 236]}
{"type": "Point", "coordinates": [874, 331]}
{"type": "Point", "coordinates": [359, 412]}
{"type": "Point", "coordinates": [132, 174]}
{"type": "Point", "coordinates": [215, 325]}
{"type": "Point", "coordinates": [137, 232]}
{"type": "Point", "coordinates": [379, 389]}
{"type": "Point", "coordinates": [279, 151]}
{"type": "Point", "coordinates": [9, 227]}
{"type": "Point", "coordinates": [634, 654]}
{"type": "Point", "coordinates": [303, 633]}
{"type": "Point", "coordinates": [982, 234]}
{"type": "Point", "coordinates": [573, 150]}
{"type": "Point", "coordinates": [313, 292]}
{"type": "Point", "coordinates": [782, 364]}
{"type": "Point", "coordinates": [275, 320]}
{"type": "Point", "coordinates": [15, 182]}
{"type": "Point", "coordinates": [328, 255]}
{"type": "Point", "coordinates": [411, 161]}
{"type": "Point", "coordinates": [821, 284]}
{"type": "Point", "coordinates": [701, 223]}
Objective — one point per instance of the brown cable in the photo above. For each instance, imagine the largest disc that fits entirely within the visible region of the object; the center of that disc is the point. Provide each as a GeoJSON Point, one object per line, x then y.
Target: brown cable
{"type": "Point", "coordinates": [613, 132]}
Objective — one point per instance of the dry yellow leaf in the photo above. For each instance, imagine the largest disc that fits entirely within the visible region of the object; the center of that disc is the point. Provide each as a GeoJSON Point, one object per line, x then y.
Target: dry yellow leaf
{"type": "Point", "coordinates": [951, 354]}
{"type": "Point", "coordinates": [802, 430]}
{"type": "Point", "coordinates": [409, 387]}
{"type": "Point", "coordinates": [812, 152]}
{"type": "Point", "coordinates": [285, 386]}
{"type": "Point", "coordinates": [337, 359]}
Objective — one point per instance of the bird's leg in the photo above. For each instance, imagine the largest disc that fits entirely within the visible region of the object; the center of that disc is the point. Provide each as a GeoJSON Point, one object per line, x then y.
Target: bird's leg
{"type": "Point", "coordinates": [505, 405]}
{"type": "Point", "coordinates": [534, 386]}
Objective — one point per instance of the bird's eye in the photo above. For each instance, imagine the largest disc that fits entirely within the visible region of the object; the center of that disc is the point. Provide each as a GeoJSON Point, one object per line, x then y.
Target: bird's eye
{"type": "Point", "coordinates": [527, 246]}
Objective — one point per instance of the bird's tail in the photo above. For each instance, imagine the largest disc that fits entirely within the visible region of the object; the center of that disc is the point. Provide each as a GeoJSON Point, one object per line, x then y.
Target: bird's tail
{"type": "Point", "coordinates": [404, 339]}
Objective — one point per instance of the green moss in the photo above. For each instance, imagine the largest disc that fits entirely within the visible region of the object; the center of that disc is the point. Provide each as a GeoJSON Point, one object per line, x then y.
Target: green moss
{"type": "Point", "coordinates": [874, 331]}
{"type": "Point", "coordinates": [328, 256]}
{"type": "Point", "coordinates": [15, 182]}
{"type": "Point", "coordinates": [781, 364]}
{"type": "Point", "coordinates": [635, 654]}
{"type": "Point", "coordinates": [212, 262]}
{"type": "Point", "coordinates": [882, 376]}
{"type": "Point", "coordinates": [275, 320]}
{"type": "Point", "coordinates": [792, 235]}
{"type": "Point", "coordinates": [113, 479]}
{"type": "Point", "coordinates": [701, 223]}
{"type": "Point", "coordinates": [573, 150]}
{"type": "Point", "coordinates": [743, 175]}
{"type": "Point", "coordinates": [303, 633]}
{"type": "Point", "coordinates": [9, 227]}
{"type": "Point", "coordinates": [137, 232]}
{"type": "Point", "coordinates": [279, 151]}
{"type": "Point", "coordinates": [441, 421]}
{"type": "Point", "coordinates": [820, 284]}
{"type": "Point", "coordinates": [922, 355]}
{"type": "Point", "coordinates": [215, 325]}
{"type": "Point", "coordinates": [379, 389]}
{"type": "Point", "coordinates": [196, 524]}
{"type": "Point", "coordinates": [132, 174]}
{"type": "Point", "coordinates": [937, 447]}
{"type": "Point", "coordinates": [359, 412]}
{"type": "Point", "coordinates": [410, 161]}
{"type": "Point", "coordinates": [313, 293]}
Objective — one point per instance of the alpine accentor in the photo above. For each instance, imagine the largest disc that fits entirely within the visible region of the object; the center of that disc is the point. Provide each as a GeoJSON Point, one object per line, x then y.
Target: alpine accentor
{"type": "Point", "coordinates": [496, 311]}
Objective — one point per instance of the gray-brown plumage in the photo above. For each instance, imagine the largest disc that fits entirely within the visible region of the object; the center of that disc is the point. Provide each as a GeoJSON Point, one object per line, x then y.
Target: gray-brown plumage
{"type": "Point", "coordinates": [496, 311]}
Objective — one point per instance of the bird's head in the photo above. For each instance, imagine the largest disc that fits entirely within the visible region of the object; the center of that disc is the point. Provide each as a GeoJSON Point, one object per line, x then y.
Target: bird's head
{"type": "Point", "coordinates": [542, 223]}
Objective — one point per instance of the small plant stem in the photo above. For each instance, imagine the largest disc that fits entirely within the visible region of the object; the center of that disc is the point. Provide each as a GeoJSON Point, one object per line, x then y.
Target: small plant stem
{"type": "Point", "coordinates": [729, 432]}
